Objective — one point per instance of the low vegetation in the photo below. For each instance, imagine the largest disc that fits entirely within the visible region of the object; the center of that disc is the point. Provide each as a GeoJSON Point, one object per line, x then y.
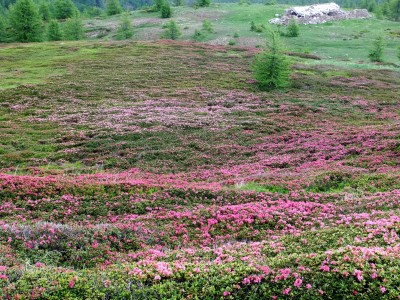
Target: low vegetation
{"type": "Point", "coordinates": [163, 170]}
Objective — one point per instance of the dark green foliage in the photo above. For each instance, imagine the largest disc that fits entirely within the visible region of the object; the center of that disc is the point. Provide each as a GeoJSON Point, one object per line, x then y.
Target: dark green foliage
{"type": "Point", "coordinates": [44, 11]}
{"type": "Point", "coordinates": [376, 53]}
{"type": "Point", "coordinates": [206, 30]}
{"type": "Point", "coordinates": [3, 37]}
{"type": "Point", "coordinates": [207, 26]}
{"type": "Point", "coordinates": [293, 29]}
{"type": "Point", "coordinates": [158, 4]}
{"type": "Point", "coordinates": [256, 28]}
{"type": "Point", "coordinates": [113, 7]}
{"type": "Point", "coordinates": [179, 2]}
{"type": "Point", "coordinates": [394, 7]}
{"type": "Point", "coordinates": [93, 12]}
{"type": "Point", "coordinates": [64, 9]}
{"type": "Point", "coordinates": [379, 13]}
{"type": "Point", "coordinates": [125, 29]}
{"type": "Point", "coordinates": [198, 35]}
{"type": "Point", "coordinates": [271, 66]}
{"type": "Point", "coordinates": [172, 31]}
{"type": "Point", "coordinates": [73, 29]}
{"type": "Point", "coordinates": [329, 182]}
{"type": "Point", "coordinates": [385, 6]}
{"type": "Point", "coordinates": [54, 31]}
{"type": "Point", "coordinates": [25, 22]}
{"type": "Point", "coordinates": [166, 10]}
{"type": "Point", "coordinates": [370, 5]}
{"type": "Point", "coordinates": [203, 3]}
{"type": "Point", "coordinates": [252, 26]}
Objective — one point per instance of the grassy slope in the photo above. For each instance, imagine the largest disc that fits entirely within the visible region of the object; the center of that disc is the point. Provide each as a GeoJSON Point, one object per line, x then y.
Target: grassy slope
{"type": "Point", "coordinates": [347, 40]}
{"type": "Point", "coordinates": [322, 158]}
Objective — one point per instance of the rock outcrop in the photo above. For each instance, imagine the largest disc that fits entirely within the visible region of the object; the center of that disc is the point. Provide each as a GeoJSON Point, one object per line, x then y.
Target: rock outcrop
{"type": "Point", "coordinates": [319, 13]}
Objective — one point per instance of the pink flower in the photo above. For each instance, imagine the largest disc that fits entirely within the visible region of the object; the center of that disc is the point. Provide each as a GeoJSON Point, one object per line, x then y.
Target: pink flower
{"type": "Point", "coordinates": [298, 282]}
{"type": "Point", "coordinates": [383, 289]}
{"type": "Point", "coordinates": [157, 277]}
{"type": "Point", "coordinates": [321, 292]}
{"type": "Point", "coordinates": [358, 274]}
{"type": "Point", "coordinates": [374, 275]}
{"type": "Point", "coordinates": [71, 284]}
{"type": "Point", "coordinates": [246, 281]}
{"type": "Point", "coordinates": [308, 286]}
{"type": "Point", "coordinates": [324, 268]}
{"type": "Point", "coordinates": [226, 293]}
{"type": "Point", "coordinates": [107, 283]}
{"type": "Point", "coordinates": [4, 277]}
{"type": "Point", "coordinates": [286, 291]}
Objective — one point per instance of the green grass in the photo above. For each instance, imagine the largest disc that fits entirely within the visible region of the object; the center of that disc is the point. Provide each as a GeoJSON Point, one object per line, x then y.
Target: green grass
{"type": "Point", "coordinates": [345, 42]}
{"type": "Point", "coordinates": [253, 186]}
{"type": "Point", "coordinates": [36, 63]}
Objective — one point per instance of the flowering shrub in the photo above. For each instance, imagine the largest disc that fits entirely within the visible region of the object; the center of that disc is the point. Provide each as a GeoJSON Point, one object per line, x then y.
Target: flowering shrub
{"type": "Point", "coordinates": [132, 189]}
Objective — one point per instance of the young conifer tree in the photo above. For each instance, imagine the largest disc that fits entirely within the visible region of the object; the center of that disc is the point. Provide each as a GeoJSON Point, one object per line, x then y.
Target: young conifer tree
{"type": "Point", "coordinates": [25, 22]}
{"type": "Point", "coordinates": [113, 7]}
{"type": "Point", "coordinates": [125, 29]}
{"type": "Point", "coordinates": [166, 11]}
{"type": "Point", "coordinates": [293, 28]}
{"type": "Point", "coordinates": [376, 53]}
{"type": "Point", "coordinates": [54, 32]}
{"type": "Point", "coordinates": [64, 9]}
{"type": "Point", "coordinates": [271, 67]}
{"type": "Point", "coordinates": [73, 29]}
{"type": "Point", "coordinates": [172, 31]}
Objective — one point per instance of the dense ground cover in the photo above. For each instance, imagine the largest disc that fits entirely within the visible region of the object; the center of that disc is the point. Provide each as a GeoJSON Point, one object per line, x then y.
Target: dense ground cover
{"type": "Point", "coordinates": [139, 170]}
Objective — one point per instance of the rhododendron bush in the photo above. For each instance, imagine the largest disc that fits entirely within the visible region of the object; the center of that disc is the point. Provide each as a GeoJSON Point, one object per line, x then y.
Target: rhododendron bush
{"type": "Point", "coordinates": [211, 190]}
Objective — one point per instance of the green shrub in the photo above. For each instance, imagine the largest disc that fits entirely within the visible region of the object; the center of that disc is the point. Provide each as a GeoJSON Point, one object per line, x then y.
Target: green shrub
{"type": "Point", "coordinates": [207, 26]}
{"type": "Point", "coordinates": [25, 22]}
{"type": "Point", "coordinates": [113, 7]}
{"type": "Point", "coordinates": [54, 31]}
{"type": "Point", "coordinates": [256, 28]}
{"type": "Point", "coordinates": [376, 53]}
{"type": "Point", "coordinates": [179, 2]}
{"type": "Point", "coordinates": [329, 182]}
{"type": "Point", "coordinates": [3, 34]}
{"type": "Point", "coordinates": [125, 29]}
{"type": "Point", "coordinates": [166, 11]}
{"type": "Point", "coordinates": [44, 11]}
{"type": "Point", "coordinates": [293, 29]}
{"type": "Point", "coordinates": [198, 35]}
{"type": "Point", "coordinates": [172, 31]}
{"type": "Point", "coordinates": [73, 29]}
{"type": "Point", "coordinates": [271, 67]}
{"type": "Point", "coordinates": [64, 9]}
{"type": "Point", "coordinates": [203, 3]}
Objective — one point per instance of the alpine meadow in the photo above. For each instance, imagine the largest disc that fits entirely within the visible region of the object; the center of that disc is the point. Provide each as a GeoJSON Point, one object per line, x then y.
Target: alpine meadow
{"type": "Point", "coordinates": [199, 149]}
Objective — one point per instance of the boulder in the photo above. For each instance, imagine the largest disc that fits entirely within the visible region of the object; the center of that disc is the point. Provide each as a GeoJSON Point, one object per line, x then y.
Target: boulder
{"type": "Point", "coordinates": [319, 13]}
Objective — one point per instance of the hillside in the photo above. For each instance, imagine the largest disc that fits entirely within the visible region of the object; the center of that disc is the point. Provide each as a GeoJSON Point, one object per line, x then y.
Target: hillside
{"type": "Point", "coordinates": [344, 41]}
{"type": "Point", "coordinates": [158, 169]}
